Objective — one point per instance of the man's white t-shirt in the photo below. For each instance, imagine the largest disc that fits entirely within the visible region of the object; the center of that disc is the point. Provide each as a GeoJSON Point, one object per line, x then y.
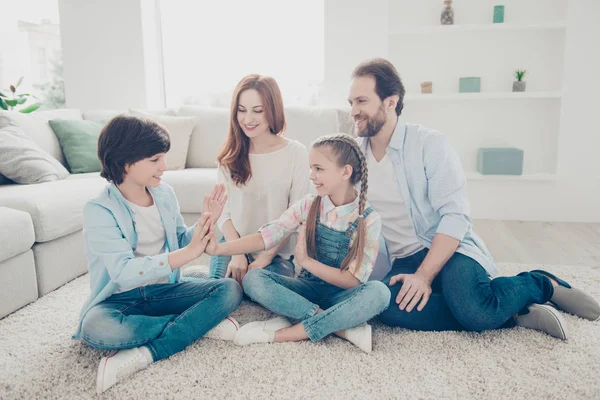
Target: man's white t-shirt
{"type": "Point", "coordinates": [386, 198]}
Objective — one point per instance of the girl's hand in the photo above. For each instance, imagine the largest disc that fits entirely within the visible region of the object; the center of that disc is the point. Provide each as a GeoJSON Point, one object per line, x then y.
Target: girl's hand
{"type": "Point", "coordinates": [215, 201]}
{"type": "Point", "coordinates": [202, 234]}
{"type": "Point", "coordinates": [263, 260]}
{"type": "Point", "coordinates": [237, 268]}
{"type": "Point", "coordinates": [300, 253]}
{"type": "Point", "coordinates": [213, 243]}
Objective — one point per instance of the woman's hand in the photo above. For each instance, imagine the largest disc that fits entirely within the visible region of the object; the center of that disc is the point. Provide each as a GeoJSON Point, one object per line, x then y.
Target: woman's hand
{"type": "Point", "coordinates": [237, 268]}
{"type": "Point", "coordinates": [214, 202]}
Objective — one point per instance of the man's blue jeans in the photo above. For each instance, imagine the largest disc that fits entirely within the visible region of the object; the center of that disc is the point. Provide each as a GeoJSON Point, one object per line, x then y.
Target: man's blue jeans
{"type": "Point", "coordinates": [464, 297]}
{"type": "Point", "coordinates": [166, 318]}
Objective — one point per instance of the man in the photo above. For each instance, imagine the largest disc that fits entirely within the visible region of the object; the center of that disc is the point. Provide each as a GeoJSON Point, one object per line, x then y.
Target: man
{"type": "Point", "coordinates": [439, 266]}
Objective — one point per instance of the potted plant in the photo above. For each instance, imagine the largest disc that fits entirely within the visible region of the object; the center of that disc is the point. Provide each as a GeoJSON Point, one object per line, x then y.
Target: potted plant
{"type": "Point", "coordinates": [519, 84]}
{"type": "Point", "coordinates": [8, 102]}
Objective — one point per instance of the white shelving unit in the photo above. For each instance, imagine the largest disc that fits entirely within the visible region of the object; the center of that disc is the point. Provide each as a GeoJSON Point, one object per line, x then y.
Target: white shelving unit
{"type": "Point", "coordinates": [532, 38]}
{"type": "Point", "coordinates": [476, 176]}
{"type": "Point", "coordinates": [485, 96]}
{"type": "Point", "coordinates": [489, 27]}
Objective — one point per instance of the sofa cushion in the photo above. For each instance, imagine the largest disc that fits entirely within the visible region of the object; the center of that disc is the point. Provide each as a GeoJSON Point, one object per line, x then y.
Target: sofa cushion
{"type": "Point", "coordinates": [180, 129]}
{"type": "Point", "coordinates": [191, 185]}
{"type": "Point", "coordinates": [55, 207]}
{"type": "Point", "coordinates": [23, 161]}
{"type": "Point", "coordinates": [210, 131]}
{"type": "Point", "coordinates": [106, 115]}
{"type": "Point", "coordinates": [79, 142]}
{"type": "Point", "coordinates": [16, 233]}
{"type": "Point", "coordinates": [36, 126]}
{"type": "Point", "coordinates": [305, 124]}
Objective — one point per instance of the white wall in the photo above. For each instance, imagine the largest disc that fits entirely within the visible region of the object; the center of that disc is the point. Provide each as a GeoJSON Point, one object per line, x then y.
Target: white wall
{"type": "Point", "coordinates": [571, 139]}
{"type": "Point", "coordinates": [354, 31]}
{"type": "Point", "coordinates": [103, 53]}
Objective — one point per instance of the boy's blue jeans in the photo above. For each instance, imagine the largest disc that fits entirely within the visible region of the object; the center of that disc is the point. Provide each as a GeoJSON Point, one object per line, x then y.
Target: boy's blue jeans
{"type": "Point", "coordinates": [464, 297]}
{"type": "Point", "coordinates": [300, 298]}
{"type": "Point", "coordinates": [165, 318]}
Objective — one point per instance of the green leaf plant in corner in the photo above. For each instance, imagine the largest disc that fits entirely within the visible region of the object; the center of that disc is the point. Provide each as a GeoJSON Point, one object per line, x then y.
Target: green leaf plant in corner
{"type": "Point", "coordinates": [520, 74]}
{"type": "Point", "coordinates": [10, 100]}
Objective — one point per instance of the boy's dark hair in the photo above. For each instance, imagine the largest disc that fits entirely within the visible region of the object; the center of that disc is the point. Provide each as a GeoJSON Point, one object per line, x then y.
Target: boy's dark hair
{"type": "Point", "coordinates": [387, 80]}
{"type": "Point", "coordinates": [127, 139]}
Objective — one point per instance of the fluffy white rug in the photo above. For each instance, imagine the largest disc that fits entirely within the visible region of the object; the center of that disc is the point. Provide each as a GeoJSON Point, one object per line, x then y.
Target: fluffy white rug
{"type": "Point", "coordinates": [38, 360]}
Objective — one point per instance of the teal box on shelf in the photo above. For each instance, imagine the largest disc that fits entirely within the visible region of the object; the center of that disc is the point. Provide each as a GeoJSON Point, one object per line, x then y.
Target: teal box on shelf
{"type": "Point", "coordinates": [471, 84]}
{"type": "Point", "coordinates": [500, 161]}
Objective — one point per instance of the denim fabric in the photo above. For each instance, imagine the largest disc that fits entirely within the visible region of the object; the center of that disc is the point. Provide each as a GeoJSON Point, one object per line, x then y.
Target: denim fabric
{"type": "Point", "coordinates": [166, 318]}
{"type": "Point", "coordinates": [300, 298]}
{"type": "Point", "coordinates": [279, 265]}
{"type": "Point", "coordinates": [433, 185]}
{"type": "Point", "coordinates": [464, 297]}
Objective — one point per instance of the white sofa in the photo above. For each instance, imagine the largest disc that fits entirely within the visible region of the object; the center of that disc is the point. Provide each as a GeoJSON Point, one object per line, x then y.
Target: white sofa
{"type": "Point", "coordinates": [41, 225]}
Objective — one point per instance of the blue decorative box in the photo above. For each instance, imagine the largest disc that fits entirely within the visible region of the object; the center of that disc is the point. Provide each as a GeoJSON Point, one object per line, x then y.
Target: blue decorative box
{"type": "Point", "coordinates": [471, 84]}
{"type": "Point", "coordinates": [500, 161]}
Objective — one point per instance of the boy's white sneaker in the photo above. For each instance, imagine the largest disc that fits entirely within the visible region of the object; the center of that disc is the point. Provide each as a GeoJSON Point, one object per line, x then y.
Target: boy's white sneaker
{"type": "Point", "coordinates": [361, 337]}
{"type": "Point", "coordinates": [118, 366]}
{"type": "Point", "coordinates": [260, 331]}
{"type": "Point", "coordinates": [226, 330]}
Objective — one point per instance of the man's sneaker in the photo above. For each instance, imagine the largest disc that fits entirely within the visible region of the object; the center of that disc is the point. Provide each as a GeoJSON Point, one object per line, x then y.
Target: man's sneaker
{"type": "Point", "coordinates": [226, 330]}
{"type": "Point", "coordinates": [118, 366]}
{"type": "Point", "coordinates": [361, 337]}
{"type": "Point", "coordinates": [572, 300]}
{"type": "Point", "coordinates": [543, 318]}
{"type": "Point", "coordinates": [260, 331]}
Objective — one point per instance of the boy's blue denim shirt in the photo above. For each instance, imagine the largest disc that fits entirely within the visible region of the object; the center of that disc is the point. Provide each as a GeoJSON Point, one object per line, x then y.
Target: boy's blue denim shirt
{"type": "Point", "coordinates": [433, 184]}
{"type": "Point", "coordinates": [110, 239]}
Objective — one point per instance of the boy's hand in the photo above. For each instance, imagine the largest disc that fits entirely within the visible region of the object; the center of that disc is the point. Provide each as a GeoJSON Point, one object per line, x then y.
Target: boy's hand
{"type": "Point", "coordinates": [214, 202]}
{"type": "Point", "coordinates": [202, 234]}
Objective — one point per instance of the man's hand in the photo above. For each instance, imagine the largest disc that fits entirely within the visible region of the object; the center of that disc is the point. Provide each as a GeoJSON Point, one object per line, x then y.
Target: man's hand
{"type": "Point", "coordinates": [415, 288]}
{"type": "Point", "coordinates": [237, 268]}
{"type": "Point", "coordinates": [214, 202]}
{"type": "Point", "coordinates": [262, 260]}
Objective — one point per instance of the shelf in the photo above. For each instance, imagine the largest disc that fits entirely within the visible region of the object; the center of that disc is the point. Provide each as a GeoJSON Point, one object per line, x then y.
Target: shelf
{"type": "Point", "coordinates": [485, 96]}
{"type": "Point", "coordinates": [476, 176]}
{"type": "Point", "coordinates": [503, 27]}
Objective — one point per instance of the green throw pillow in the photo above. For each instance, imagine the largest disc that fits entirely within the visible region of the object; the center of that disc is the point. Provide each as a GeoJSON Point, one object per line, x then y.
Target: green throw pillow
{"type": "Point", "coordinates": [79, 142]}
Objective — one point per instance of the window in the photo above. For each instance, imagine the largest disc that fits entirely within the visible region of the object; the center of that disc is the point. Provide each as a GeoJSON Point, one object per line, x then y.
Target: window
{"type": "Point", "coordinates": [209, 46]}
{"type": "Point", "coordinates": [30, 48]}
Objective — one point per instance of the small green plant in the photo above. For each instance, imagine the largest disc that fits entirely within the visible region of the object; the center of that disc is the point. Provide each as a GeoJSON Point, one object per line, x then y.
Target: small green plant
{"type": "Point", "coordinates": [8, 102]}
{"type": "Point", "coordinates": [520, 74]}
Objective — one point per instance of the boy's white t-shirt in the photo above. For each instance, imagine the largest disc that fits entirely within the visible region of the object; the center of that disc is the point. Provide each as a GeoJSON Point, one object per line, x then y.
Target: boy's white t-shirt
{"type": "Point", "coordinates": [151, 237]}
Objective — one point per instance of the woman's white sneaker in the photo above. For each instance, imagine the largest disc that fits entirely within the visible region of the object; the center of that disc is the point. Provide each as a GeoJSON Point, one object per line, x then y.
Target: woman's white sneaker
{"type": "Point", "coordinates": [226, 330]}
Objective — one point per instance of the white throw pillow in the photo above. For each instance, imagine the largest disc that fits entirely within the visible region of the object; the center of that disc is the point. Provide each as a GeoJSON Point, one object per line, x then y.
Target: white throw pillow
{"type": "Point", "coordinates": [180, 130]}
{"type": "Point", "coordinates": [210, 132]}
{"type": "Point", "coordinates": [36, 126]}
{"type": "Point", "coordinates": [23, 161]}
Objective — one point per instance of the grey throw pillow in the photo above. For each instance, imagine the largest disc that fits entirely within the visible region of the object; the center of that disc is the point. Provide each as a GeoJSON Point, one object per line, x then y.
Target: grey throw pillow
{"type": "Point", "coordinates": [23, 161]}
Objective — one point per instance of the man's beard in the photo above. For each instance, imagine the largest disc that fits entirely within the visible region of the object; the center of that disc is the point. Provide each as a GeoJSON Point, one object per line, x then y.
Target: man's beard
{"type": "Point", "coordinates": [373, 124]}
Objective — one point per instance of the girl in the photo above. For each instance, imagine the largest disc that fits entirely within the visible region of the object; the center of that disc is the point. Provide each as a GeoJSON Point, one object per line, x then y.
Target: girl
{"type": "Point", "coordinates": [135, 243]}
{"type": "Point", "coordinates": [336, 251]}
{"type": "Point", "coordinates": [263, 172]}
